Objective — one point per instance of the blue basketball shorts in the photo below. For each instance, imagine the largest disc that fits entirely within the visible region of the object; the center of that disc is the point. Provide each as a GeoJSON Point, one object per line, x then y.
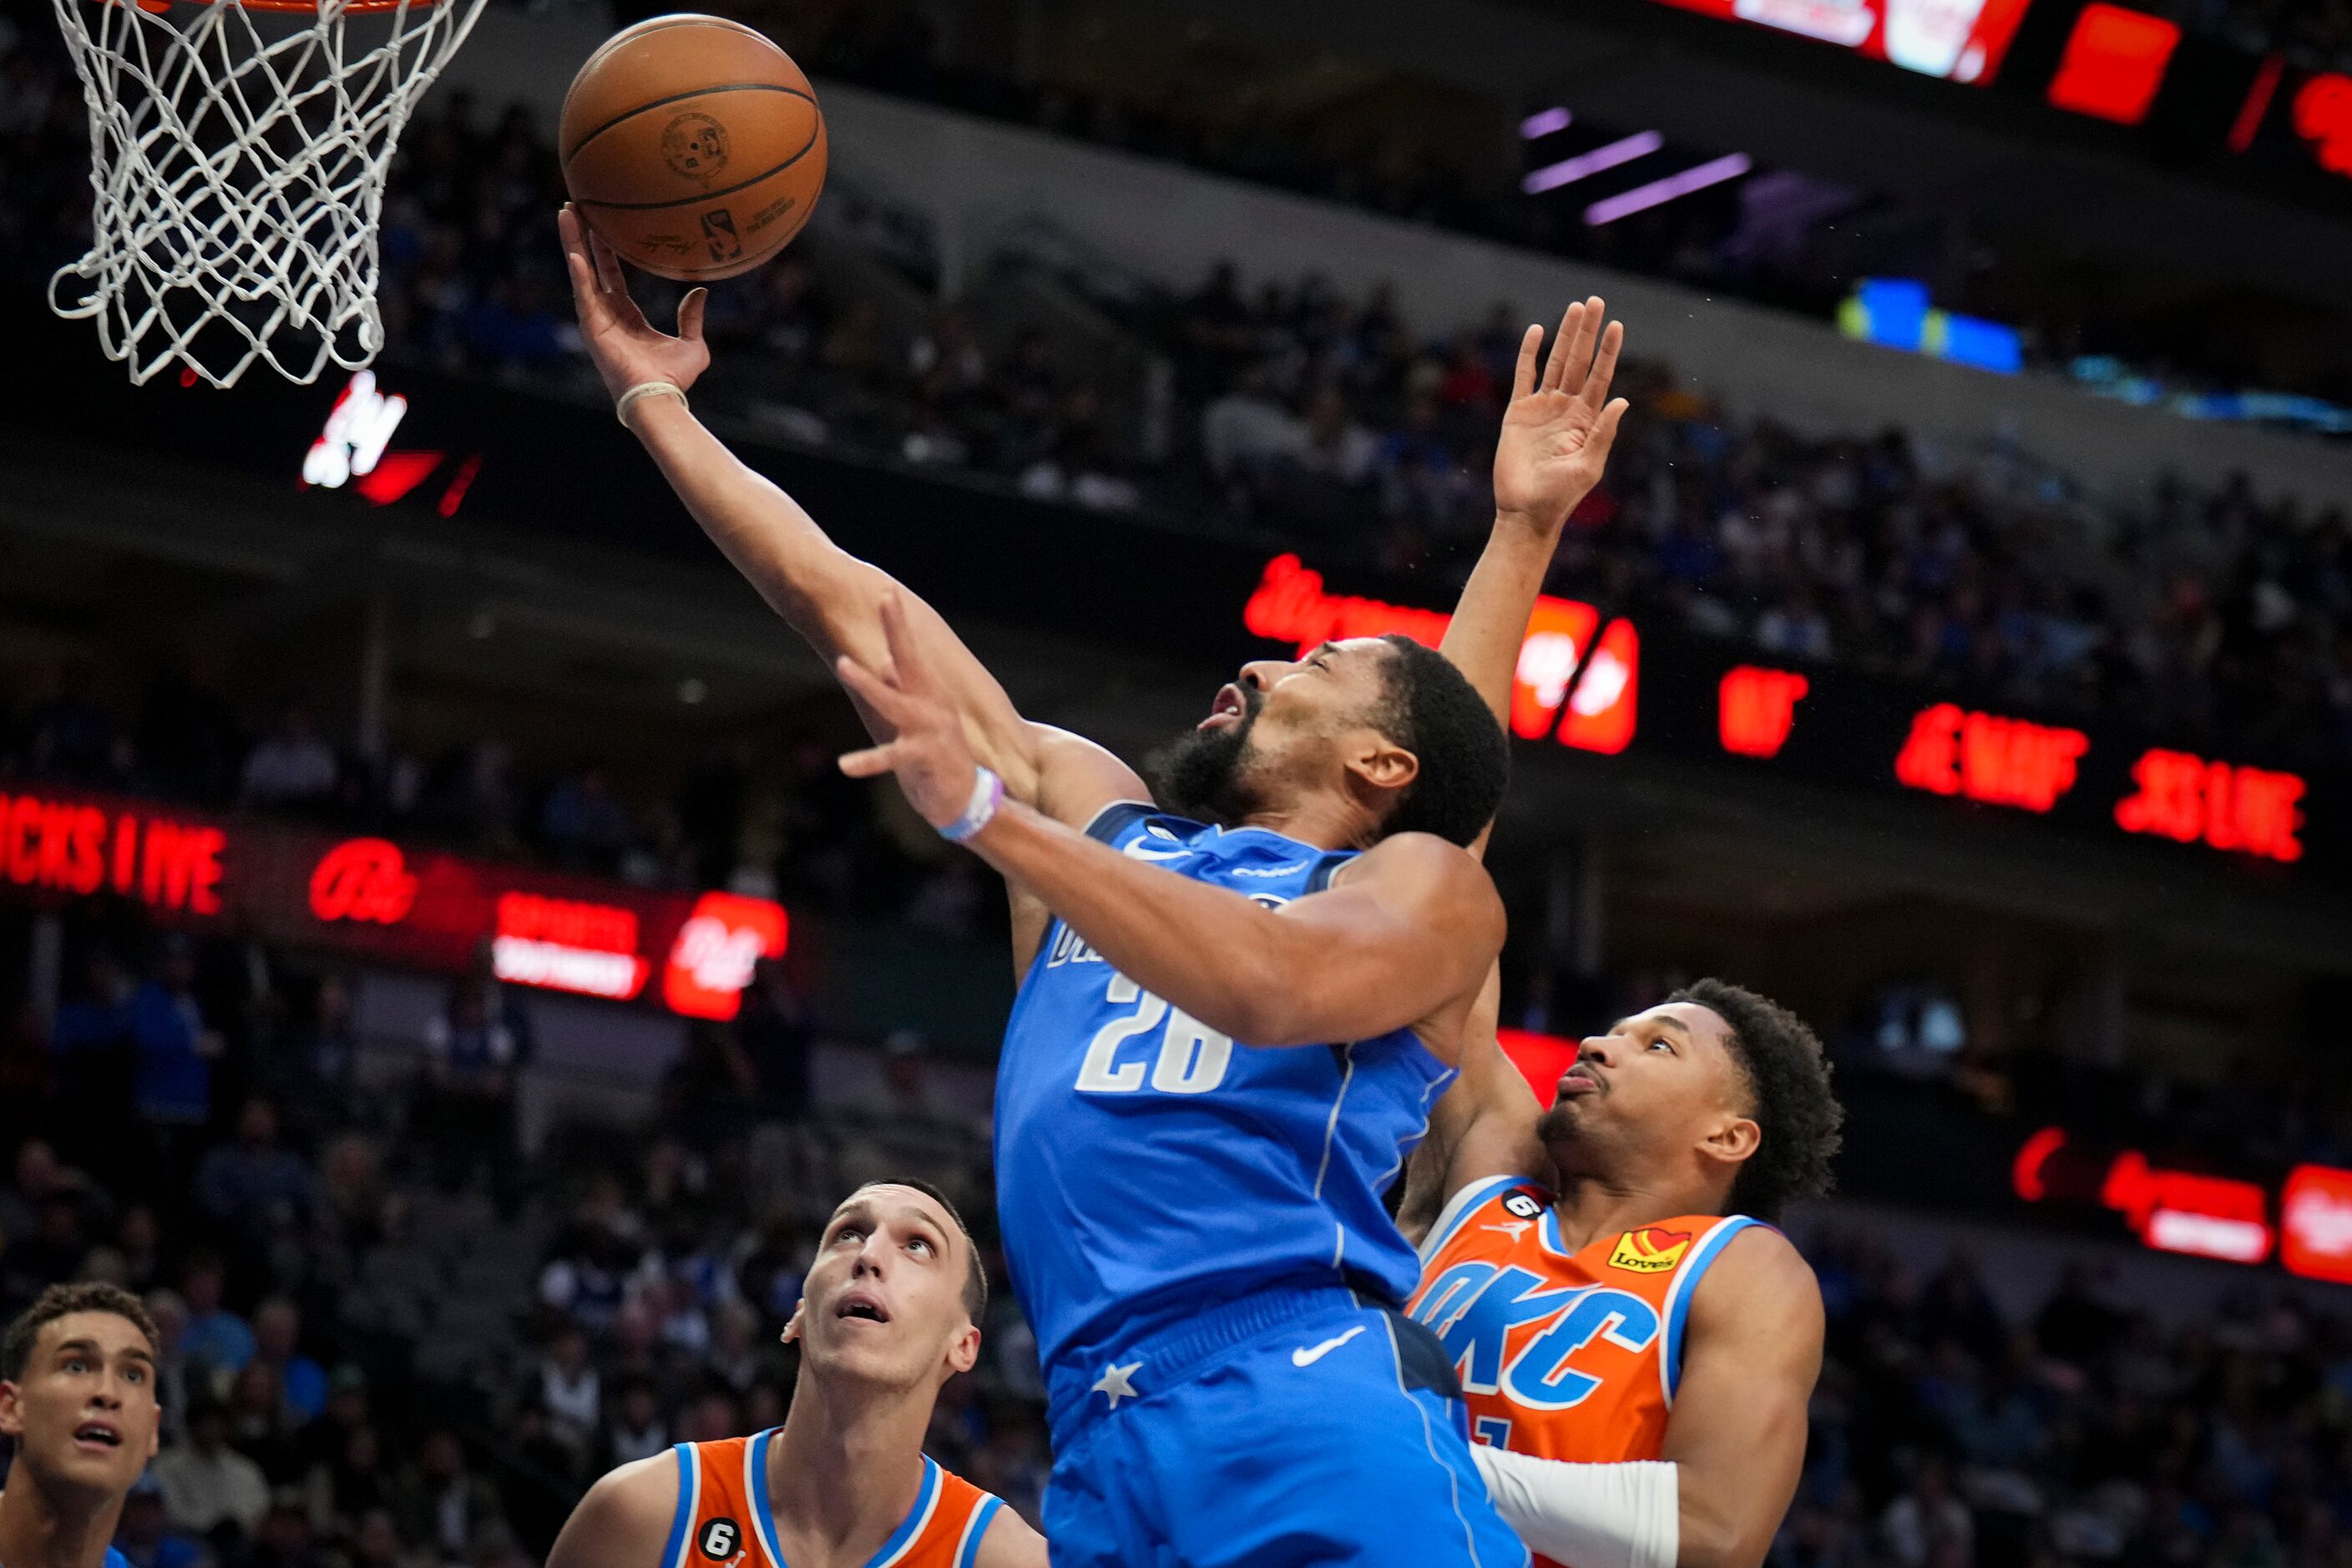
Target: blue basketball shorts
{"type": "Point", "coordinates": [1290, 1427]}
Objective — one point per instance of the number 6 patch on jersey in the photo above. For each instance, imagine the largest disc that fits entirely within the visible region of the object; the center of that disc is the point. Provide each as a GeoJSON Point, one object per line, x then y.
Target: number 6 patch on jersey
{"type": "Point", "coordinates": [720, 1538]}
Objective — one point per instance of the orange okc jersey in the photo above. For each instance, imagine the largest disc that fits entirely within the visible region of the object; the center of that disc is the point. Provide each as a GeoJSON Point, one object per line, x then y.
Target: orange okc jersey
{"type": "Point", "coordinates": [1564, 1355]}
{"type": "Point", "coordinates": [723, 1519]}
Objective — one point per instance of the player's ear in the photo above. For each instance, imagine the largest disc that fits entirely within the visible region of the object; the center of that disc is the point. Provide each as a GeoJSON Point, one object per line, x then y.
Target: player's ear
{"type": "Point", "coordinates": [964, 1350]}
{"type": "Point", "coordinates": [793, 1330]}
{"type": "Point", "coordinates": [12, 1419]}
{"type": "Point", "coordinates": [1379, 764]}
{"type": "Point", "coordinates": [1732, 1141]}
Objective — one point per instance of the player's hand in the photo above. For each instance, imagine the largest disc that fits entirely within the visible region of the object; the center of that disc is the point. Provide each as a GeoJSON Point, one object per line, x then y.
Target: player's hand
{"type": "Point", "coordinates": [929, 752]}
{"type": "Point", "coordinates": [1557, 430]}
{"type": "Point", "coordinates": [628, 350]}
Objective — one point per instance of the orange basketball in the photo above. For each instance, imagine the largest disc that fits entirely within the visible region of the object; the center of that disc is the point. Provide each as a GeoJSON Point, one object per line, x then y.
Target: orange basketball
{"type": "Point", "coordinates": [693, 146]}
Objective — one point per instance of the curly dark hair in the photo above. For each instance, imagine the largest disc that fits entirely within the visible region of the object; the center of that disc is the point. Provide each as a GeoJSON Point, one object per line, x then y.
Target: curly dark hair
{"type": "Point", "coordinates": [1795, 1107]}
{"type": "Point", "coordinates": [1432, 710]}
{"type": "Point", "coordinates": [61, 1301]}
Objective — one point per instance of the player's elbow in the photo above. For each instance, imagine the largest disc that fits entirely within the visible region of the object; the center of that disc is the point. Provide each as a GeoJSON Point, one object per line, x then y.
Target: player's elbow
{"type": "Point", "coordinates": [1710, 1541]}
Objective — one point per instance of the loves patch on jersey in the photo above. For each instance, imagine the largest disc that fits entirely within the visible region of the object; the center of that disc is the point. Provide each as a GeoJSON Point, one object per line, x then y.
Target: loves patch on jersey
{"type": "Point", "coordinates": [1653, 1249]}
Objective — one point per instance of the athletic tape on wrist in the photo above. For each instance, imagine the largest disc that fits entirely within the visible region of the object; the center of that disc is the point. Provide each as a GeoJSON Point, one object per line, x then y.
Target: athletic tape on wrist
{"type": "Point", "coordinates": [987, 796]}
{"type": "Point", "coordinates": [628, 399]}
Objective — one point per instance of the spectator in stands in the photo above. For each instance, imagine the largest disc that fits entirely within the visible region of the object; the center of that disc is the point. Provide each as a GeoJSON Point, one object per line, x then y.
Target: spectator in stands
{"type": "Point", "coordinates": [51, 1254]}
{"type": "Point", "coordinates": [171, 1084]}
{"type": "Point", "coordinates": [569, 1389]}
{"type": "Point", "coordinates": [348, 1483]}
{"type": "Point", "coordinates": [443, 1503]}
{"type": "Point", "coordinates": [255, 1189]}
{"type": "Point", "coordinates": [209, 1489]}
{"type": "Point", "coordinates": [302, 1381]}
{"type": "Point", "coordinates": [169, 1311]}
{"type": "Point", "coordinates": [257, 1423]}
{"type": "Point", "coordinates": [92, 1039]}
{"type": "Point", "coordinates": [146, 1534]}
{"type": "Point", "coordinates": [633, 1427]}
{"type": "Point", "coordinates": [588, 1268]}
{"type": "Point", "coordinates": [139, 1238]}
{"type": "Point", "coordinates": [218, 1344]}
{"type": "Point", "coordinates": [773, 1025]}
{"type": "Point", "coordinates": [284, 1539]}
{"type": "Point", "coordinates": [36, 1177]}
{"type": "Point", "coordinates": [466, 1097]}
{"type": "Point", "coordinates": [291, 768]}
{"type": "Point", "coordinates": [1926, 1524]}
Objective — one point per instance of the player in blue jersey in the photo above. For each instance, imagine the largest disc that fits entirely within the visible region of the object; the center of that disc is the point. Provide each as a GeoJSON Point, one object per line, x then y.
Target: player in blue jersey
{"type": "Point", "coordinates": [1241, 995]}
{"type": "Point", "coordinates": [77, 1404]}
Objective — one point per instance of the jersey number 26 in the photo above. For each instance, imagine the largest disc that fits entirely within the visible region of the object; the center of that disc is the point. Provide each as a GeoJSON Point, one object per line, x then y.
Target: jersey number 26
{"type": "Point", "coordinates": [1193, 1056]}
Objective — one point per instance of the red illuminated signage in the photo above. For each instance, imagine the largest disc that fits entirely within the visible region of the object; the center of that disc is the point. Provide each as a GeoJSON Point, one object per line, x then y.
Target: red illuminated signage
{"type": "Point", "coordinates": [1755, 708]}
{"type": "Point", "coordinates": [1540, 1059]}
{"type": "Point", "coordinates": [2323, 117]}
{"type": "Point", "coordinates": [2185, 798]}
{"type": "Point", "coordinates": [566, 944]}
{"type": "Point", "coordinates": [2170, 1211]}
{"type": "Point", "coordinates": [72, 846]}
{"type": "Point", "coordinates": [710, 962]}
{"type": "Point", "coordinates": [2174, 1211]}
{"type": "Point", "coordinates": [2315, 1224]}
{"type": "Point", "coordinates": [1961, 40]}
{"type": "Point", "coordinates": [1291, 606]}
{"type": "Point", "coordinates": [363, 879]}
{"type": "Point", "coordinates": [2114, 61]}
{"type": "Point", "coordinates": [2001, 762]}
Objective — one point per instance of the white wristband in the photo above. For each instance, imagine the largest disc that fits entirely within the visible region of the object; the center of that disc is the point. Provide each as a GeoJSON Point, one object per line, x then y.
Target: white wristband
{"type": "Point", "coordinates": [987, 796]}
{"type": "Point", "coordinates": [1625, 1515]}
{"type": "Point", "coordinates": [646, 389]}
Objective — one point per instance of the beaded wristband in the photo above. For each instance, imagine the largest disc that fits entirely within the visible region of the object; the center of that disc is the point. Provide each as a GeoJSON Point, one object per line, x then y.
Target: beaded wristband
{"type": "Point", "coordinates": [646, 389]}
{"type": "Point", "coordinates": [987, 796]}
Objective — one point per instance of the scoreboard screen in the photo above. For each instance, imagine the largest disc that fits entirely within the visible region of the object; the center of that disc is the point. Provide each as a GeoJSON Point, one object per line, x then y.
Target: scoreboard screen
{"type": "Point", "coordinates": [1959, 40]}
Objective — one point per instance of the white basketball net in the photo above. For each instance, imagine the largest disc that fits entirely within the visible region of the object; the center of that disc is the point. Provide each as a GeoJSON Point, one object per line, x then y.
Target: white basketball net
{"type": "Point", "coordinates": [238, 158]}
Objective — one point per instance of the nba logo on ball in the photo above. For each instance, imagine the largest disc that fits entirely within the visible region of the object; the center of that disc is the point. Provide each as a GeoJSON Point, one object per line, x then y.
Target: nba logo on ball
{"type": "Point", "coordinates": [718, 233]}
{"type": "Point", "coordinates": [695, 145]}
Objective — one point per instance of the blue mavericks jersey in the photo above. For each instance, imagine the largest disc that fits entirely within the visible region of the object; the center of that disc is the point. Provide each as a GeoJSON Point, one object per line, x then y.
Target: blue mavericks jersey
{"type": "Point", "coordinates": [1148, 1166]}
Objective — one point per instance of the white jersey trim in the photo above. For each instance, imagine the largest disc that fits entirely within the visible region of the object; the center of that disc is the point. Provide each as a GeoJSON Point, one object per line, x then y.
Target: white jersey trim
{"type": "Point", "coordinates": [1458, 1209]}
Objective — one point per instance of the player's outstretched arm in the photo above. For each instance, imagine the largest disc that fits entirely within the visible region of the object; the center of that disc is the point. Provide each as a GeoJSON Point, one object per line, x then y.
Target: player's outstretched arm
{"type": "Point", "coordinates": [1735, 1444]}
{"type": "Point", "coordinates": [624, 1521]}
{"type": "Point", "coordinates": [1402, 937]}
{"type": "Point", "coordinates": [1555, 441]}
{"type": "Point", "coordinates": [828, 596]}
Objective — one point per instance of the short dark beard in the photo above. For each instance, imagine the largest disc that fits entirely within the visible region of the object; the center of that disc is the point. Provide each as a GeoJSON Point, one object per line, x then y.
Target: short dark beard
{"type": "Point", "coordinates": [1201, 775]}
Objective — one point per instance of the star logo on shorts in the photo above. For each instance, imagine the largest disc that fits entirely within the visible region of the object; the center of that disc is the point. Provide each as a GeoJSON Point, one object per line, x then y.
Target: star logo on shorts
{"type": "Point", "coordinates": [1118, 1383]}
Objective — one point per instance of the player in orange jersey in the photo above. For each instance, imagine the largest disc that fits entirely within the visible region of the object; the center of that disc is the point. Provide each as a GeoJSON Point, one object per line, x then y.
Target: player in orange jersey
{"type": "Point", "coordinates": [1637, 1349]}
{"type": "Point", "coordinates": [886, 1318]}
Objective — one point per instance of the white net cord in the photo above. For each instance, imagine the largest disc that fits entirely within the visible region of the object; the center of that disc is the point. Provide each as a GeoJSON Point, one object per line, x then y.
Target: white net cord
{"type": "Point", "coordinates": [239, 155]}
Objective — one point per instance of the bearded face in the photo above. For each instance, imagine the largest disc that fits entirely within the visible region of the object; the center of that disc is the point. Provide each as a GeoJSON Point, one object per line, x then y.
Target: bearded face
{"type": "Point", "coordinates": [1203, 773]}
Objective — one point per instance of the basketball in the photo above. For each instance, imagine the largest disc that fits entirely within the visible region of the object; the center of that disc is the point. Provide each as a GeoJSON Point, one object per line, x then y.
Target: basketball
{"type": "Point", "coordinates": [693, 146]}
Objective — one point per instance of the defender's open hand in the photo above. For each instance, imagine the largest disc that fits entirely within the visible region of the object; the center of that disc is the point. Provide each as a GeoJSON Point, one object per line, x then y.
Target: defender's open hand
{"type": "Point", "coordinates": [628, 350]}
{"type": "Point", "coordinates": [1558, 431]}
{"type": "Point", "coordinates": [933, 761]}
